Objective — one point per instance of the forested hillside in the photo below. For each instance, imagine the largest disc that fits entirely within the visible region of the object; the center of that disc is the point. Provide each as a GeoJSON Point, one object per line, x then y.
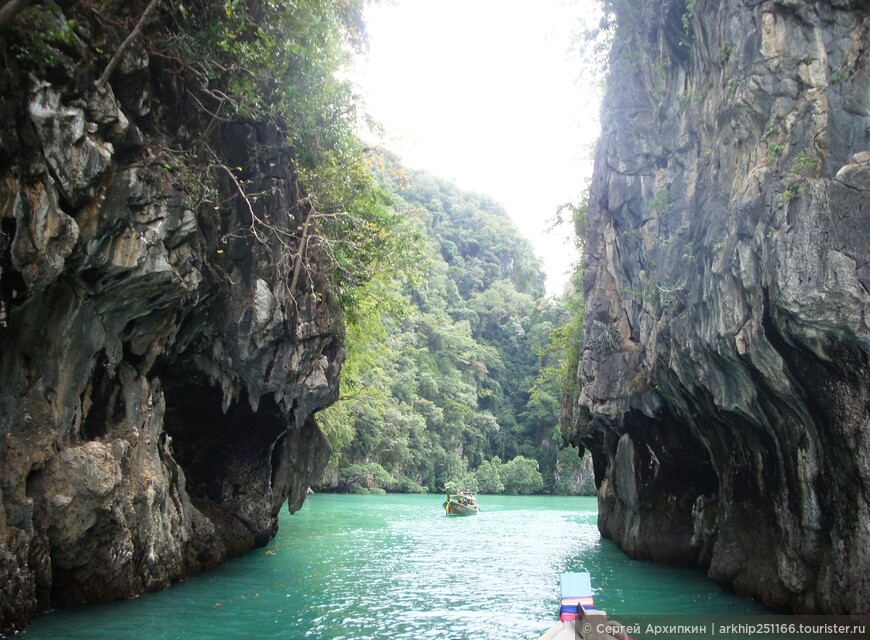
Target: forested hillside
{"type": "Point", "coordinates": [440, 373]}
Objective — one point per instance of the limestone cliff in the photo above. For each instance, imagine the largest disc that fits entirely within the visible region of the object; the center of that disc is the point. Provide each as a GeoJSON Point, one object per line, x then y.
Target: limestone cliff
{"type": "Point", "coordinates": [724, 372]}
{"type": "Point", "coordinates": [158, 373]}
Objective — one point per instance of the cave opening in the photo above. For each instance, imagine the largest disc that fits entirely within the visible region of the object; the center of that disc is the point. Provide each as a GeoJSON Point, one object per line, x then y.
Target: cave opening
{"type": "Point", "coordinates": [102, 401]}
{"type": "Point", "coordinates": [672, 462]}
{"type": "Point", "coordinates": [226, 457]}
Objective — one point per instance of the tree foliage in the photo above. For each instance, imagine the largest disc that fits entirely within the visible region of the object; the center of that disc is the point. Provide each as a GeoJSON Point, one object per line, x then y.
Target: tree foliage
{"type": "Point", "coordinates": [369, 475]}
{"type": "Point", "coordinates": [488, 476]}
{"type": "Point", "coordinates": [521, 475]}
{"type": "Point", "coordinates": [280, 62]}
{"type": "Point", "coordinates": [438, 384]}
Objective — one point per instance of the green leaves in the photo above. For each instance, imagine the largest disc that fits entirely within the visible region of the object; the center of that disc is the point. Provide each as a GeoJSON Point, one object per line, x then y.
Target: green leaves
{"type": "Point", "coordinates": [279, 61]}
{"type": "Point", "coordinates": [521, 475]}
{"type": "Point", "coordinates": [489, 476]}
{"type": "Point", "coordinates": [518, 476]}
{"type": "Point", "coordinates": [39, 33]}
{"type": "Point", "coordinates": [365, 476]}
{"type": "Point", "coordinates": [562, 353]}
{"type": "Point", "coordinates": [437, 381]}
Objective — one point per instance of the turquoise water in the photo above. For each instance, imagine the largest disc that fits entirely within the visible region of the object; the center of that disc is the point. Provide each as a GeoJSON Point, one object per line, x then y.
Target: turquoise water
{"type": "Point", "coordinates": [395, 567]}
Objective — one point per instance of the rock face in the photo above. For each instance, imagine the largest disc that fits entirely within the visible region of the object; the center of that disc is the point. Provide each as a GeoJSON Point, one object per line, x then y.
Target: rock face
{"type": "Point", "coordinates": [725, 380]}
{"type": "Point", "coordinates": [158, 376]}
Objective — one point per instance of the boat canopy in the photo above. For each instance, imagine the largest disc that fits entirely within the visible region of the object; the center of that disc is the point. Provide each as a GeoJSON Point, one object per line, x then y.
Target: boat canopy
{"type": "Point", "coordinates": [576, 585]}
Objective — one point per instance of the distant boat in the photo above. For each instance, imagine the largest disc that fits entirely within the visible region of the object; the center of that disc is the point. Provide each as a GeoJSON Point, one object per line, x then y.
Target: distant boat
{"type": "Point", "coordinates": [462, 504]}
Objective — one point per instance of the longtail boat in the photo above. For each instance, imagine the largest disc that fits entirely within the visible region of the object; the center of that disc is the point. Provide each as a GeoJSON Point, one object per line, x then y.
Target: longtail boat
{"type": "Point", "coordinates": [462, 504]}
{"type": "Point", "coordinates": [578, 618]}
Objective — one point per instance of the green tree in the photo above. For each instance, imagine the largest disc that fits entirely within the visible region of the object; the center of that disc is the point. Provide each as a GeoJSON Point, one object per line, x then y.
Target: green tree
{"type": "Point", "coordinates": [521, 476]}
{"type": "Point", "coordinates": [365, 476]}
{"type": "Point", "coordinates": [488, 476]}
{"type": "Point", "coordinates": [444, 386]}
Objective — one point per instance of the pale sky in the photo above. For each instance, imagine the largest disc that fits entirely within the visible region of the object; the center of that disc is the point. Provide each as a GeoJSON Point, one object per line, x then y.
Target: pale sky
{"type": "Point", "coordinates": [485, 93]}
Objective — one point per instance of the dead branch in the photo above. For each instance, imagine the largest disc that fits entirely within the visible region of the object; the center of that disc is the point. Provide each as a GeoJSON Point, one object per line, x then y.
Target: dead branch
{"type": "Point", "coordinates": [303, 240]}
{"type": "Point", "coordinates": [254, 218]}
{"type": "Point", "coordinates": [110, 68]}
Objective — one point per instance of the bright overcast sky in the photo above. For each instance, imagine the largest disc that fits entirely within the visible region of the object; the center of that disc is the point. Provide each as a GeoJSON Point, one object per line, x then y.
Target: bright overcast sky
{"type": "Point", "coordinates": [485, 93]}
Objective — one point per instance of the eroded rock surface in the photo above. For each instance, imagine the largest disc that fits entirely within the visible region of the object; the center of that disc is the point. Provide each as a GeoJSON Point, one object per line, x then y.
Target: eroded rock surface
{"type": "Point", "coordinates": [158, 376]}
{"type": "Point", "coordinates": [725, 381]}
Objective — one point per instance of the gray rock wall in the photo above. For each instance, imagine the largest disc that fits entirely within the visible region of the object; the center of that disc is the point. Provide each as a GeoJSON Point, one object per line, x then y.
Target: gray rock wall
{"type": "Point", "coordinates": [158, 377]}
{"type": "Point", "coordinates": [724, 374]}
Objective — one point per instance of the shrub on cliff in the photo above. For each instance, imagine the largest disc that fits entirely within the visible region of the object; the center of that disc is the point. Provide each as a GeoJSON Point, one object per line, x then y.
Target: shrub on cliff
{"type": "Point", "coordinates": [365, 477]}
{"type": "Point", "coordinates": [281, 63]}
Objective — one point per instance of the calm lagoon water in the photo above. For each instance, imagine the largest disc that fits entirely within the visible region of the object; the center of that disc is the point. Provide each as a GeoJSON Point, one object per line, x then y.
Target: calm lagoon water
{"type": "Point", "coordinates": [395, 567]}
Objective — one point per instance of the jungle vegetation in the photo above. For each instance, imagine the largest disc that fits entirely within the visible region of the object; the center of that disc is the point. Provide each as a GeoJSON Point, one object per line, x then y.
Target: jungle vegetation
{"type": "Point", "coordinates": [456, 367]}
